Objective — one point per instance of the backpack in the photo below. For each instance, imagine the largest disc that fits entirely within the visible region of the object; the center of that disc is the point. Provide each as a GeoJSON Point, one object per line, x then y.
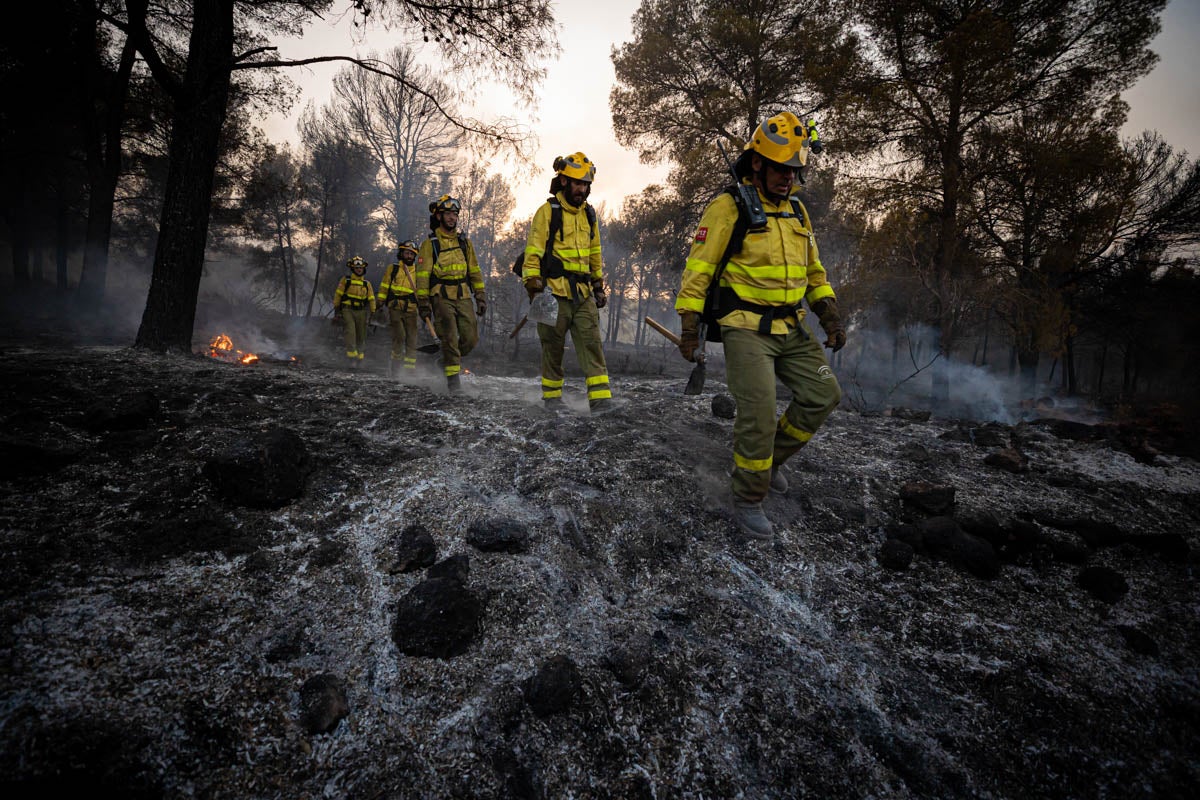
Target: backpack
{"type": "Point", "coordinates": [718, 303]}
{"type": "Point", "coordinates": [551, 266]}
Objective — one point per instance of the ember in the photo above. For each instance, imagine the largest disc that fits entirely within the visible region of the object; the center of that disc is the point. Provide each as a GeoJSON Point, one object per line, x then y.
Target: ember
{"type": "Point", "coordinates": [221, 347]}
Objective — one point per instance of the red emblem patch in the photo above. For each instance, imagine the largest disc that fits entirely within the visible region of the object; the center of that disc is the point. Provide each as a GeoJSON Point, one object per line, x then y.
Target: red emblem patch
{"type": "Point", "coordinates": [702, 234]}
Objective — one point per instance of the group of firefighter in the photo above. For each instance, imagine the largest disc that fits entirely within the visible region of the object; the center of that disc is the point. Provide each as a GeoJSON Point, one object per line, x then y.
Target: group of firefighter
{"type": "Point", "coordinates": [752, 265]}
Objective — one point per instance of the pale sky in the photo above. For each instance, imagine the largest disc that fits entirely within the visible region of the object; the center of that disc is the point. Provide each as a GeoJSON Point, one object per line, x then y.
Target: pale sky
{"type": "Point", "coordinates": [575, 115]}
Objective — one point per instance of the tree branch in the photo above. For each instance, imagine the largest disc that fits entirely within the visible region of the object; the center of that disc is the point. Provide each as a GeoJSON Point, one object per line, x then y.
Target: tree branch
{"type": "Point", "coordinates": [379, 68]}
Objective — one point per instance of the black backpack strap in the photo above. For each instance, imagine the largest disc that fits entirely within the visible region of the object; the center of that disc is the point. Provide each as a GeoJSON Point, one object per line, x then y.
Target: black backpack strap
{"type": "Point", "coordinates": [551, 266]}
{"type": "Point", "coordinates": [555, 223]}
{"type": "Point", "coordinates": [390, 278]}
{"type": "Point", "coordinates": [591, 215]}
{"type": "Point", "coordinates": [712, 299]}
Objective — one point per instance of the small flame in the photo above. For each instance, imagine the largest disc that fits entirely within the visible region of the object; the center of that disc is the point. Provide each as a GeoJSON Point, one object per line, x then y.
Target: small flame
{"type": "Point", "coordinates": [221, 347]}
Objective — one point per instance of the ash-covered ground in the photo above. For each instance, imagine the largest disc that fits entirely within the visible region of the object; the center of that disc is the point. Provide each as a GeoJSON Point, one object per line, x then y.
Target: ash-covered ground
{"type": "Point", "coordinates": [288, 580]}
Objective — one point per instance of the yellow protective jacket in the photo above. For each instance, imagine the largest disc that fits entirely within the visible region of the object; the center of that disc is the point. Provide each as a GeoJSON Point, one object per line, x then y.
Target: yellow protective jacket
{"type": "Point", "coordinates": [577, 248]}
{"type": "Point", "coordinates": [399, 283]}
{"type": "Point", "coordinates": [777, 266]}
{"type": "Point", "coordinates": [454, 274]}
{"type": "Point", "coordinates": [354, 292]}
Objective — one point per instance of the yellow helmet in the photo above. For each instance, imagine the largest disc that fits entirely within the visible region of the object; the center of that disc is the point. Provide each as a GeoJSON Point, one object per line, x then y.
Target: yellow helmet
{"type": "Point", "coordinates": [356, 262]}
{"type": "Point", "coordinates": [577, 166]}
{"type": "Point", "coordinates": [783, 139]}
{"type": "Point", "coordinates": [445, 203]}
{"type": "Point", "coordinates": [409, 245]}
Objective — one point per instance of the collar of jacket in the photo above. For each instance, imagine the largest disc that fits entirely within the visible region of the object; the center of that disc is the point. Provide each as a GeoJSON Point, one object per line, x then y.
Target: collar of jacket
{"type": "Point", "coordinates": [783, 205]}
{"type": "Point", "coordinates": [562, 200]}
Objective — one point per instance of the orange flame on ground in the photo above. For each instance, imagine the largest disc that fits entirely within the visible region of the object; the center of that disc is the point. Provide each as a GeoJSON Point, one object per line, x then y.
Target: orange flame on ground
{"type": "Point", "coordinates": [221, 347]}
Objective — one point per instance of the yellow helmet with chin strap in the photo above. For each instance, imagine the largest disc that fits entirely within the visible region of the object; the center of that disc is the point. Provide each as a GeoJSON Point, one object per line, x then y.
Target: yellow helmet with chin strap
{"type": "Point", "coordinates": [356, 262]}
{"type": "Point", "coordinates": [409, 245]}
{"type": "Point", "coordinates": [783, 139]}
{"type": "Point", "coordinates": [577, 166]}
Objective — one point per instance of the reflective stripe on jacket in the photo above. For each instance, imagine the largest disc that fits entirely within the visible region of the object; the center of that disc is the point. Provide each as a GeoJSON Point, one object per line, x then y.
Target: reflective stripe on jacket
{"type": "Point", "coordinates": [400, 281]}
{"type": "Point", "coordinates": [354, 292]}
{"type": "Point", "coordinates": [455, 265]}
{"type": "Point", "coordinates": [577, 249]}
{"type": "Point", "coordinates": [776, 266]}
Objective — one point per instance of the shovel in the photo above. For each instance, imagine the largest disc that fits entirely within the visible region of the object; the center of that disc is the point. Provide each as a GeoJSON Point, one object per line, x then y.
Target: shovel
{"type": "Point", "coordinates": [695, 384]}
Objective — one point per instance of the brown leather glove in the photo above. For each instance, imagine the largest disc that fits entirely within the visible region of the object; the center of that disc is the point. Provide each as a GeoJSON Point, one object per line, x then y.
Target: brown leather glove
{"type": "Point", "coordinates": [534, 286]}
{"type": "Point", "coordinates": [689, 339]}
{"type": "Point", "coordinates": [598, 293]}
{"type": "Point", "coordinates": [480, 304]}
{"type": "Point", "coordinates": [424, 310]}
{"type": "Point", "coordinates": [831, 322]}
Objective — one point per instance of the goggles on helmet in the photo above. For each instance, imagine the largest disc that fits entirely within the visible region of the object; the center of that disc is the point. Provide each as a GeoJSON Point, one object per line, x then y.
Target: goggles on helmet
{"type": "Point", "coordinates": [783, 139]}
{"type": "Point", "coordinates": [577, 166]}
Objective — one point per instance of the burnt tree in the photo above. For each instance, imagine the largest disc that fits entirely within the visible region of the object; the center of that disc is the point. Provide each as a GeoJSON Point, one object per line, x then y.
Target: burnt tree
{"type": "Point", "coordinates": [199, 103]}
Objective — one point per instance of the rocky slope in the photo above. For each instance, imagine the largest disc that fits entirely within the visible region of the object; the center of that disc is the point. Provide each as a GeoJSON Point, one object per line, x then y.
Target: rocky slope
{"type": "Point", "coordinates": [287, 580]}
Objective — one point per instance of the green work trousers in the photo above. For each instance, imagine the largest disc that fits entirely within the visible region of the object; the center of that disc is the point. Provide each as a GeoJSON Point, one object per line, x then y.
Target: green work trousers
{"type": "Point", "coordinates": [355, 331]}
{"type": "Point", "coordinates": [762, 440]}
{"type": "Point", "coordinates": [457, 328]}
{"type": "Point", "coordinates": [582, 320]}
{"type": "Point", "coordinates": [402, 319]}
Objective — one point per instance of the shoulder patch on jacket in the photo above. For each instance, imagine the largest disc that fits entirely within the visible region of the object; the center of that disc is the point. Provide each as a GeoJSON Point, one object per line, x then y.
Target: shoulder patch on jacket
{"type": "Point", "coordinates": [702, 234]}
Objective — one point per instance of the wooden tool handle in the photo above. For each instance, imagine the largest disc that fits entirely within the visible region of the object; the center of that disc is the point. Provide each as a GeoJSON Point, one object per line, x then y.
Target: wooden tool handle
{"type": "Point", "coordinates": [658, 327]}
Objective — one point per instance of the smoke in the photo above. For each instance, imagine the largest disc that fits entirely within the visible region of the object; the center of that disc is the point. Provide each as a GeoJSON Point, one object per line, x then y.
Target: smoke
{"type": "Point", "coordinates": [115, 317]}
{"type": "Point", "coordinates": [884, 368]}
{"type": "Point", "coordinates": [235, 300]}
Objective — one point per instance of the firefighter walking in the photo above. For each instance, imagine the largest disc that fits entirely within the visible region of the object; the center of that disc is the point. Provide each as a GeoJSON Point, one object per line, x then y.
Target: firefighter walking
{"type": "Point", "coordinates": [398, 294]}
{"type": "Point", "coordinates": [354, 300]}
{"type": "Point", "coordinates": [758, 306]}
{"type": "Point", "coordinates": [562, 256]}
{"type": "Point", "coordinates": [450, 287]}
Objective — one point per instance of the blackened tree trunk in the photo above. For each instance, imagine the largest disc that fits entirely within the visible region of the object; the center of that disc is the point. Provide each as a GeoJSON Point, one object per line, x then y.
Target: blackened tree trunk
{"type": "Point", "coordinates": [200, 102]}
{"type": "Point", "coordinates": [1069, 378]}
{"type": "Point", "coordinates": [320, 253]}
{"type": "Point", "coordinates": [62, 233]}
{"type": "Point", "coordinates": [19, 225]}
{"type": "Point", "coordinates": [104, 170]}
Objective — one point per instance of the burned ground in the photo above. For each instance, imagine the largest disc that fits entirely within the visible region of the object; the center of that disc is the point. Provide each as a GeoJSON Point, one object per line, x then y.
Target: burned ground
{"type": "Point", "coordinates": [468, 597]}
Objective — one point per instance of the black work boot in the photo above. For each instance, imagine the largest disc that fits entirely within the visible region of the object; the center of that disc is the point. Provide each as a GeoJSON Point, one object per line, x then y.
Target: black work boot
{"type": "Point", "coordinates": [454, 384]}
{"type": "Point", "coordinates": [751, 519]}
{"type": "Point", "coordinates": [602, 406]}
{"type": "Point", "coordinates": [779, 484]}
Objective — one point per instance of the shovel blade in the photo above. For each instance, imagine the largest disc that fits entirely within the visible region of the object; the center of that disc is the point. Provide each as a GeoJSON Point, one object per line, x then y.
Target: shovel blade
{"type": "Point", "coordinates": [695, 384]}
{"type": "Point", "coordinates": [429, 348]}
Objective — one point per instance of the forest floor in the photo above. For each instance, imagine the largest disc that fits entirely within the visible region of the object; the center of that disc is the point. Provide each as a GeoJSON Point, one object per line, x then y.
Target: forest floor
{"type": "Point", "coordinates": [1034, 633]}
